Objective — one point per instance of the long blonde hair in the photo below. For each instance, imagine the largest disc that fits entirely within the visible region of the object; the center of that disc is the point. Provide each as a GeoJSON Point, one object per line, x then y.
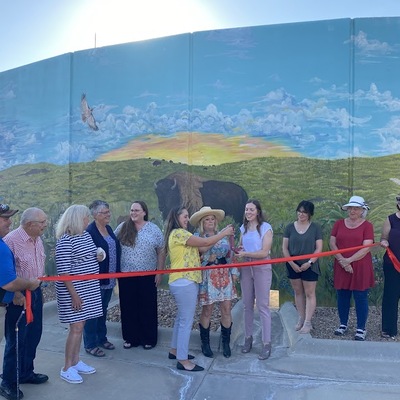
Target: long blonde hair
{"type": "Point", "coordinates": [71, 222]}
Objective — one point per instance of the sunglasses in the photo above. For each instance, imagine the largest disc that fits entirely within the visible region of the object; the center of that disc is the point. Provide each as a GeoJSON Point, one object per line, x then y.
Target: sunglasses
{"type": "Point", "coordinates": [4, 208]}
{"type": "Point", "coordinates": [398, 198]}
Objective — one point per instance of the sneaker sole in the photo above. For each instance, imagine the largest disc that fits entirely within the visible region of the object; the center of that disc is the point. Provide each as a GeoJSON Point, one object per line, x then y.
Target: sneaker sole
{"type": "Point", "coordinates": [85, 372]}
{"type": "Point", "coordinates": [69, 380]}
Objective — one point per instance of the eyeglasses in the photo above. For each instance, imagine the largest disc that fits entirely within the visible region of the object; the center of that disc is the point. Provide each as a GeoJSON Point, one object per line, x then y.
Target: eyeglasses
{"type": "Point", "coordinates": [397, 199]}
{"type": "Point", "coordinates": [4, 208]}
{"type": "Point", "coordinates": [104, 212]}
{"type": "Point", "coordinates": [136, 211]}
{"type": "Point", "coordinates": [302, 212]}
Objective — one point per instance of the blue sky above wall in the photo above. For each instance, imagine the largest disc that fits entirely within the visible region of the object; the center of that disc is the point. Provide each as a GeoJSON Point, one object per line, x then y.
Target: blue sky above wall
{"type": "Point", "coordinates": [326, 89]}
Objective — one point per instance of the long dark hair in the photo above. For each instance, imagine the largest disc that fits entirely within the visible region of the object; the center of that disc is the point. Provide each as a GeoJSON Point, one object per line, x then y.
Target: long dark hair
{"type": "Point", "coordinates": [260, 216]}
{"type": "Point", "coordinates": [171, 223]}
{"type": "Point", "coordinates": [128, 232]}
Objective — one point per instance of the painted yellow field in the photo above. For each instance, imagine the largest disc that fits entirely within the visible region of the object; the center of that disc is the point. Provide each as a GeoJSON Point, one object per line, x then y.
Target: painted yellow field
{"type": "Point", "coordinates": [198, 149]}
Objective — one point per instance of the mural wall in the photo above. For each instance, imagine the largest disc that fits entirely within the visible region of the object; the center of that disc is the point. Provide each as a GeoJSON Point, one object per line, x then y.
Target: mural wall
{"type": "Point", "coordinates": [280, 113]}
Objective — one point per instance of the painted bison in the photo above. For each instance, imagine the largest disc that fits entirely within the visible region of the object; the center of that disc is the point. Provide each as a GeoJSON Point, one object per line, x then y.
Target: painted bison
{"type": "Point", "coordinates": [195, 191]}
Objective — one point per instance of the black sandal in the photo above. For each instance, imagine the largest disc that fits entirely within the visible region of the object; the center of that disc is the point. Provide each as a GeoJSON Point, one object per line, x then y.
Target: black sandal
{"type": "Point", "coordinates": [96, 352]}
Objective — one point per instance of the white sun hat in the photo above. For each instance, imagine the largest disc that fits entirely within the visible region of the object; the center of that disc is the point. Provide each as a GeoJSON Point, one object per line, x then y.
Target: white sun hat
{"type": "Point", "coordinates": [356, 201]}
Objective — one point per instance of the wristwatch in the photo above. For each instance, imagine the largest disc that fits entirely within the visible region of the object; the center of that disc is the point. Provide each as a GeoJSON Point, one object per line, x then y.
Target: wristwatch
{"type": "Point", "coordinates": [310, 262]}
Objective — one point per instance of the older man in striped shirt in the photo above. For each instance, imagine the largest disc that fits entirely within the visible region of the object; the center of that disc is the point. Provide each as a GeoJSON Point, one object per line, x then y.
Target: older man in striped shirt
{"type": "Point", "coordinates": [27, 246]}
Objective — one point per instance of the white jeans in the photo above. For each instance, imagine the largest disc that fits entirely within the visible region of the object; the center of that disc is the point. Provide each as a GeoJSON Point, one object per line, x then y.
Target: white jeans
{"type": "Point", "coordinates": [186, 300]}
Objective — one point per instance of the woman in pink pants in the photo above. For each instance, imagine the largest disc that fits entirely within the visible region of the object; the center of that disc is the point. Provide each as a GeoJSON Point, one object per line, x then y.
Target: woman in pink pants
{"type": "Point", "coordinates": [255, 243]}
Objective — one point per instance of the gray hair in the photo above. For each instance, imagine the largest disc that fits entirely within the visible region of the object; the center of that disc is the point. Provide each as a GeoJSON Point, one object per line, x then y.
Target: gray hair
{"type": "Point", "coordinates": [29, 215]}
{"type": "Point", "coordinates": [97, 205]}
{"type": "Point", "coordinates": [71, 222]}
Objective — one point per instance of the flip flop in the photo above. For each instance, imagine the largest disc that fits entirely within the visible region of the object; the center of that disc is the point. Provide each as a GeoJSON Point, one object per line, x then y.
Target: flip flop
{"type": "Point", "coordinates": [95, 352]}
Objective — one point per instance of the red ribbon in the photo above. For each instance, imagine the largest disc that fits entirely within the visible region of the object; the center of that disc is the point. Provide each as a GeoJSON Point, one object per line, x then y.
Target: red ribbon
{"type": "Point", "coordinates": [28, 307]}
{"type": "Point", "coordinates": [393, 259]}
{"type": "Point", "coordinates": [64, 278]}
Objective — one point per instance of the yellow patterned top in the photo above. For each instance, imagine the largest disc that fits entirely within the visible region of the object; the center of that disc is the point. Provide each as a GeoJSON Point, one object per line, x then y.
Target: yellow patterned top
{"type": "Point", "coordinates": [182, 256]}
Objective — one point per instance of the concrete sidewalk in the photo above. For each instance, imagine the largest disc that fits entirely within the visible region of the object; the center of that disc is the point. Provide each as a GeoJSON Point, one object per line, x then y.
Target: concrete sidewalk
{"type": "Point", "coordinates": [299, 368]}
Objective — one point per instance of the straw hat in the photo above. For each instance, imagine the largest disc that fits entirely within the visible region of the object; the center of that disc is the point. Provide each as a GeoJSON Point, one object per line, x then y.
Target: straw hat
{"type": "Point", "coordinates": [204, 212]}
{"type": "Point", "coordinates": [356, 201]}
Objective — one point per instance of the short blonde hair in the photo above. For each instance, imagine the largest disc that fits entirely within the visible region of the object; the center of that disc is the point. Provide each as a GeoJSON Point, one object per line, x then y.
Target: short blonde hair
{"type": "Point", "coordinates": [201, 224]}
{"type": "Point", "coordinates": [71, 222]}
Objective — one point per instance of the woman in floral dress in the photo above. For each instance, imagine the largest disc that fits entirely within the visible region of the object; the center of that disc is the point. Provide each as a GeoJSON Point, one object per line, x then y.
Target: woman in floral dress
{"type": "Point", "coordinates": [218, 285]}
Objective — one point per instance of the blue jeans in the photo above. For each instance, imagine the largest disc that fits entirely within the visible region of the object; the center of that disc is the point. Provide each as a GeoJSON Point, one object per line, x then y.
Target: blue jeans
{"type": "Point", "coordinates": [28, 340]}
{"type": "Point", "coordinates": [186, 300]}
{"type": "Point", "coordinates": [361, 303]}
{"type": "Point", "coordinates": [95, 331]}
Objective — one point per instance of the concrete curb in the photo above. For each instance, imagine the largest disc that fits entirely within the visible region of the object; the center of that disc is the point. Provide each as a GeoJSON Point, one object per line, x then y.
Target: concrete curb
{"type": "Point", "coordinates": [305, 345]}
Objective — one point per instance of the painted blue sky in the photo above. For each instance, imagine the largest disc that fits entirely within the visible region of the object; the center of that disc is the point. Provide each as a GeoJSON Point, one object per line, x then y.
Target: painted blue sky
{"type": "Point", "coordinates": [32, 31]}
{"type": "Point", "coordinates": [326, 89]}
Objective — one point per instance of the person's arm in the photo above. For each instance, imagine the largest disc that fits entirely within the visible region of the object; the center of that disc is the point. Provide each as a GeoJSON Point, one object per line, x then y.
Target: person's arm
{"type": "Point", "coordinates": [196, 241]}
{"type": "Point", "coordinates": [21, 284]}
{"type": "Point", "coordinates": [265, 249]}
{"type": "Point", "coordinates": [204, 249]}
{"type": "Point", "coordinates": [312, 260]}
{"type": "Point", "coordinates": [76, 300]}
{"type": "Point", "coordinates": [338, 256]}
{"type": "Point", "coordinates": [333, 247]}
{"type": "Point", "coordinates": [285, 252]}
{"type": "Point", "coordinates": [160, 264]}
{"type": "Point", "coordinates": [64, 265]}
{"type": "Point", "coordinates": [385, 233]}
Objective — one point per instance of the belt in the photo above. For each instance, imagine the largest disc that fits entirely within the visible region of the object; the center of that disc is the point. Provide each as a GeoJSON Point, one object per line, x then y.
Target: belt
{"type": "Point", "coordinates": [3, 304]}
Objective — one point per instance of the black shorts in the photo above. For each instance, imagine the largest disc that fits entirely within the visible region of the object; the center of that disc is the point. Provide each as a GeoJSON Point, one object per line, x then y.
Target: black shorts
{"type": "Point", "coordinates": [309, 275]}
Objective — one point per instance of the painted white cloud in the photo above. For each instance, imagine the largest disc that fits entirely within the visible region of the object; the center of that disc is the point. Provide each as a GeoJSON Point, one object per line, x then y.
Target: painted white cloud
{"type": "Point", "coordinates": [318, 126]}
{"type": "Point", "coordinates": [390, 136]}
{"type": "Point", "coordinates": [370, 47]}
{"type": "Point", "coordinates": [380, 99]}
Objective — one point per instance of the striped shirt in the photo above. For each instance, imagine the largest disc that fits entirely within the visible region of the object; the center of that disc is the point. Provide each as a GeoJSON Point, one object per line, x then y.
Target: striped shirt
{"type": "Point", "coordinates": [76, 255]}
{"type": "Point", "coordinates": [29, 253]}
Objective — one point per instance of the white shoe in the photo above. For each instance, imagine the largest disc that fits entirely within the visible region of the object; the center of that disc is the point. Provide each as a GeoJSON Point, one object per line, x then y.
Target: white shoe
{"type": "Point", "coordinates": [71, 375]}
{"type": "Point", "coordinates": [360, 335]}
{"type": "Point", "coordinates": [83, 368]}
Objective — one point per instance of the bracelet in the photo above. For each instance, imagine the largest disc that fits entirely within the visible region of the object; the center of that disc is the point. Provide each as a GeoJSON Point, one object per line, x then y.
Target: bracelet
{"type": "Point", "coordinates": [310, 262]}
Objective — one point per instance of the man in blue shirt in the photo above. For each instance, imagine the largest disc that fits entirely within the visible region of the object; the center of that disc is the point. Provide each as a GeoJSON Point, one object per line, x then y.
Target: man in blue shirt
{"type": "Point", "coordinates": [9, 283]}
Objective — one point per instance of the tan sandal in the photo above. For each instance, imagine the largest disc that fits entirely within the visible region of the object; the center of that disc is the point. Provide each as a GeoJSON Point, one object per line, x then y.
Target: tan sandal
{"type": "Point", "coordinates": [306, 327]}
{"type": "Point", "coordinates": [299, 324]}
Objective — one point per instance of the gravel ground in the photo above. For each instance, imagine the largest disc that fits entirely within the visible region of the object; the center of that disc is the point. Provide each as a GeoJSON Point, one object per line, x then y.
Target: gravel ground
{"type": "Point", "coordinates": [324, 322]}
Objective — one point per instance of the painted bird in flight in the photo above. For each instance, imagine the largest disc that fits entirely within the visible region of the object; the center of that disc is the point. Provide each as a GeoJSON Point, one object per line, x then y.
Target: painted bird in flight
{"type": "Point", "coordinates": [86, 113]}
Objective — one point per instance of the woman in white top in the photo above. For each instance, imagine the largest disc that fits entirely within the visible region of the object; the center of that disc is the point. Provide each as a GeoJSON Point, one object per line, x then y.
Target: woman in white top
{"type": "Point", "coordinates": [255, 243]}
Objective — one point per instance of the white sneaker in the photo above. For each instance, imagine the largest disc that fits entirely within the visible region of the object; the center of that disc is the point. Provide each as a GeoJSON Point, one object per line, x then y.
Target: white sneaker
{"type": "Point", "coordinates": [360, 335]}
{"type": "Point", "coordinates": [83, 368]}
{"type": "Point", "coordinates": [71, 375]}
